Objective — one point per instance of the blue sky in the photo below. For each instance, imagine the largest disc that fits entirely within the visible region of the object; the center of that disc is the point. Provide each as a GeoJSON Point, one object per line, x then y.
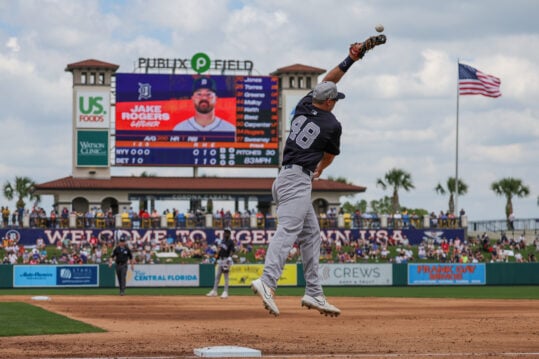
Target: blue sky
{"type": "Point", "coordinates": [400, 109]}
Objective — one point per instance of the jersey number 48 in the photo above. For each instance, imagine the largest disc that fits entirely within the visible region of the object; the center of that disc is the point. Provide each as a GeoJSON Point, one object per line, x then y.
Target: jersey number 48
{"type": "Point", "coordinates": [303, 134]}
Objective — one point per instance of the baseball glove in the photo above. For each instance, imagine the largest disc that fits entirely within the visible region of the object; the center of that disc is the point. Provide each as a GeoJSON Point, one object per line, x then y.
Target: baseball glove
{"type": "Point", "coordinates": [360, 48]}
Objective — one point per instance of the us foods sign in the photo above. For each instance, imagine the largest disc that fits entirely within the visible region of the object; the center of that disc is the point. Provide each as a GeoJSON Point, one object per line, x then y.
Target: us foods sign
{"type": "Point", "coordinates": [92, 109]}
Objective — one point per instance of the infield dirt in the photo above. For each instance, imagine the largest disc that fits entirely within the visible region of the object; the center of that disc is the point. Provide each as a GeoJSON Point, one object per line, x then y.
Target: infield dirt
{"type": "Point", "coordinates": [173, 326]}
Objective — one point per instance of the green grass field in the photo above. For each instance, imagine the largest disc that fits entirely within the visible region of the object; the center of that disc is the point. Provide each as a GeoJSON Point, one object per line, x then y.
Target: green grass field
{"type": "Point", "coordinates": [479, 292]}
{"type": "Point", "coordinates": [25, 319]}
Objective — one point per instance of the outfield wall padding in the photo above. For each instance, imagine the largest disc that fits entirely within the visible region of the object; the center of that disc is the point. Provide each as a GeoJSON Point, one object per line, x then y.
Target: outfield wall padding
{"type": "Point", "coordinates": [496, 274]}
{"type": "Point", "coordinates": [107, 276]}
{"type": "Point", "coordinates": [6, 276]}
{"type": "Point", "coordinates": [512, 273]}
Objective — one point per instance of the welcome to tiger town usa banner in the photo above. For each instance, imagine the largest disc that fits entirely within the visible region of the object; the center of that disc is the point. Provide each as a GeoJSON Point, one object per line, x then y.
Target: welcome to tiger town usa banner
{"type": "Point", "coordinates": [31, 237]}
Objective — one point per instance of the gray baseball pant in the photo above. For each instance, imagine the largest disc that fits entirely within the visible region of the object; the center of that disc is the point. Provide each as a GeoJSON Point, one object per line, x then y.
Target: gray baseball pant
{"type": "Point", "coordinates": [220, 271]}
{"type": "Point", "coordinates": [296, 222]}
{"type": "Point", "coordinates": [121, 273]}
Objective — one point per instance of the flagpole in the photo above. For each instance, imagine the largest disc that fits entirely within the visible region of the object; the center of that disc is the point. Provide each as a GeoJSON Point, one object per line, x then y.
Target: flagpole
{"type": "Point", "coordinates": [457, 147]}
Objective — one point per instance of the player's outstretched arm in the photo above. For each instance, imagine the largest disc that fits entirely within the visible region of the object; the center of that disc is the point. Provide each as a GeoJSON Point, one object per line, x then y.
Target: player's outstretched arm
{"type": "Point", "coordinates": [324, 162]}
{"type": "Point", "coordinates": [356, 51]}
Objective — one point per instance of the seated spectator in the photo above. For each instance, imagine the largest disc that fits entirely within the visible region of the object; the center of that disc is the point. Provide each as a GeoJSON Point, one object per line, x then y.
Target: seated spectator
{"type": "Point", "coordinates": [433, 220]}
{"type": "Point", "coordinates": [260, 254]}
{"type": "Point", "coordinates": [421, 252]}
{"type": "Point", "coordinates": [260, 220]}
{"type": "Point", "coordinates": [518, 256]}
{"type": "Point", "coordinates": [294, 253]}
{"type": "Point", "coordinates": [384, 253]}
{"type": "Point", "coordinates": [156, 218]}
{"type": "Point", "coordinates": [401, 256]}
{"type": "Point", "coordinates": [374, 251]}
{"type": "Point", "coordinates": [405, 219]}
{"type": "Point", "coordinates": [180, 220]}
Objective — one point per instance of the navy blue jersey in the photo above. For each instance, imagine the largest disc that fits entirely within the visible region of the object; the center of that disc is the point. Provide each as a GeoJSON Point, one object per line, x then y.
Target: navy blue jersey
{"type": "Point", "coordinates": [226, 248]}
{"type": "Point", "coordinates": [121, 254]}
{"type": "Point", "coordinates": [312, 132]}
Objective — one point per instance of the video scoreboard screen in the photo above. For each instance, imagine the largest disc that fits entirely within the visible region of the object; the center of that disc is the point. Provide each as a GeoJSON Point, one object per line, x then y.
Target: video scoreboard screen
{"type": "Point", "coordinates": [196, 120]}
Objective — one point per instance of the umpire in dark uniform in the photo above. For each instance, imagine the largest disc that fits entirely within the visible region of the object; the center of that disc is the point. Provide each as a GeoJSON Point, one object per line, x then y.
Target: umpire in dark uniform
{"type": "Point", "coordinates": [122, 256]}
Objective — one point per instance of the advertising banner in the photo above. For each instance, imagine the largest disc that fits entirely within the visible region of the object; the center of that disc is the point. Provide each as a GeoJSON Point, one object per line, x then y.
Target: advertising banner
{"type": "Point", "coordinates": [55, 275]}
{"type": "Point", "coordinates": [446, 274]}
{"type": "Point", "coordinates": [92, 148]}
{"type": "Point", "coordinates": [34, 276]}
{"type": "Point", "coordinates": [241, 275]}
{"type": "Point", "coordinates": [163, 275]}
{"type": "Point", "coordinates": [92, 109]}
{"type": "Point", "coordinates": [29, 236]}
{"type": "Point", "coordinates": [77, 276]}
{"type": "Point", "coordinates": [356, 274]}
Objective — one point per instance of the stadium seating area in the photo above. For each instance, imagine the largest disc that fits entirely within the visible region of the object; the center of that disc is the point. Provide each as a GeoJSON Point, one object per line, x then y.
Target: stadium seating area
{"type": "Point", "coordinates": [128, 218]}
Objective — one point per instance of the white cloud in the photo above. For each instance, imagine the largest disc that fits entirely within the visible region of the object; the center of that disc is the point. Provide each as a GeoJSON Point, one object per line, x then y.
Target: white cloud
{"type": "Point", "coordinates": [400, 108]}
{"type": "Point", "coordinates": [13, 44]}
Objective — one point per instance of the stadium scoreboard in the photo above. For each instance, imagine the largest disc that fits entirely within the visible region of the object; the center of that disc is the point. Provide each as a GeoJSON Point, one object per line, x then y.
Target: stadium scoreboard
{"type": "Point", "coordinates": [150, 106]}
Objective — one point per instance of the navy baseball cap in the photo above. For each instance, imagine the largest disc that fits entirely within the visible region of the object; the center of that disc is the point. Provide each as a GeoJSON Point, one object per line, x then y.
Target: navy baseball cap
{"type": "Point", "coordinates": [228, 229]}
{"type": "Point", "coordinates": [204, 83]}
{"type": "Point", "coordinates": [327, 90]}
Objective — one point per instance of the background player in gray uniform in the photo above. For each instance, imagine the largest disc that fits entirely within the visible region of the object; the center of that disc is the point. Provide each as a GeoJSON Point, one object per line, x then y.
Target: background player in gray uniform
{"type": "Point", "coordinates": [225, 249]}
{"type": "Point", "coordinates": [312, 144]}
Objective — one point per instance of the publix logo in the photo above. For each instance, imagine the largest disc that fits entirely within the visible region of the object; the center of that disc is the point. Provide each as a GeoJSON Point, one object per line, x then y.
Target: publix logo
{"type": "Point", "coordinates": [92, 108]}
{"type": "Point", "coordinates": [200, 62]}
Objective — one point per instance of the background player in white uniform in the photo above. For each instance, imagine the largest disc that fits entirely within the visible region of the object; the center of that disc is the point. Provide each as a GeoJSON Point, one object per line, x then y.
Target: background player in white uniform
{"type": "Point", "coordinates": [204, 99]}
{"type": "Point", "coordinates": [225, 249]}
{"type": "Point", "coordinates": [311, 146]}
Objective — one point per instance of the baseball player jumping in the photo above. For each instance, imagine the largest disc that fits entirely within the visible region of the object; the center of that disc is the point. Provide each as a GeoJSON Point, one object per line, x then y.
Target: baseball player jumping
{"type": "Point", "coordinates": [224, 262]}
{"type": "Point", "coordinates": [311, 146]}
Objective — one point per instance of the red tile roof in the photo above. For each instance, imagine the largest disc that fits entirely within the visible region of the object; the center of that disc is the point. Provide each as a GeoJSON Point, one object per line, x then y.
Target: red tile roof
{"type": "Point", "coordinates": [206, 184]}
{"type": "Point", "coordinates": [298, 68]}
{"type": "Point", "coordinates": [91, 63]}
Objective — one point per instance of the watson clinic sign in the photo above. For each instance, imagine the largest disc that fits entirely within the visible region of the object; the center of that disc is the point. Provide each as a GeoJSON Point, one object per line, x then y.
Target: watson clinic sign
{"type": "Point", "coordinates": [92, 148]}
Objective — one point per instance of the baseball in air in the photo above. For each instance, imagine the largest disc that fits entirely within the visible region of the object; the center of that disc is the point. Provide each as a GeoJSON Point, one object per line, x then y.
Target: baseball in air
{"type": "Point", "coordinates": [379, 27]}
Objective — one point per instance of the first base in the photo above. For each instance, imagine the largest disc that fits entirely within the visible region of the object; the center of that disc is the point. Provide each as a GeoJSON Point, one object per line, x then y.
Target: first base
{"type": "Point", "coordinates": [41, 297]}
{"type": "Point", "coordinates": [227, 352]}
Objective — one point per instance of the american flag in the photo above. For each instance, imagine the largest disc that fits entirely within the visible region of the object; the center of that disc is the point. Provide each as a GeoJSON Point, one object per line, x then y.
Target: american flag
{"type": "Point", "coordinates": [474, 82]}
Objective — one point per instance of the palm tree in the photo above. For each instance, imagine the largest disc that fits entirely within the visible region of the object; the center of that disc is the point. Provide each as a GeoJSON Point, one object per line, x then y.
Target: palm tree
{"type": "Point", "coordinates": [382, 205]}
{"type": "Point", "coordinates": [352, 207]}
{"type": "Point", "coordinates": [451, 188]}
{"type": "Point", "coordinates": [510, 187]}
{"type": "Point", "coordinates": [398, 179]}
{"type": "Point", "coordinates": [22, 187]}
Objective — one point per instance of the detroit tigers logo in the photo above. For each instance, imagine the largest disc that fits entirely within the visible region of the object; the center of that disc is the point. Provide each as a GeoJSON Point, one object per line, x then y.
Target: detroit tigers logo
{"type": "Point", "coordinates": [13, 235]}
{"type": "Point", "coordinates": [144, 91]}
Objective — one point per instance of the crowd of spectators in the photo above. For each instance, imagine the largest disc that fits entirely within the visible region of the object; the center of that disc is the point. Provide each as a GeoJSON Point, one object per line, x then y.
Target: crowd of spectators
{"type": "Point", "coordinates": [96, 217]}
{"type": "Point", "coordinates": [183, 249]}
{"type": "Point", "coordinates": [95, 250]}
